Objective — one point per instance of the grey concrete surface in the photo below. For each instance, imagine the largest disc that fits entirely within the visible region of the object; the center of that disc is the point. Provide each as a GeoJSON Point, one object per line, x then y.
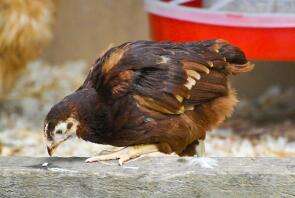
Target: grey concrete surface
{"type": "Point", "coordinates": [146, 177]}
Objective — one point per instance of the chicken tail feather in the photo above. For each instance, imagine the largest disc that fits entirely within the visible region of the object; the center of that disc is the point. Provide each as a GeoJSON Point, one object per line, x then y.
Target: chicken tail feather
{"type": "Point", "coordinates": [235, 69]}
{"type": "Point", "coordinates": [237, 62]}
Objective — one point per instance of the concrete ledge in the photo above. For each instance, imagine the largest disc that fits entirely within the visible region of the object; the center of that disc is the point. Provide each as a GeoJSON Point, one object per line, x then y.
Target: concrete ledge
{"type": "Point", "coordinates": [146, 177]}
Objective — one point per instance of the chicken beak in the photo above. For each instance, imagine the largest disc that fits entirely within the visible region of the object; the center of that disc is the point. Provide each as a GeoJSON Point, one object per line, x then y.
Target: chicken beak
{"type": "Point", "coordinates": [51, 150]}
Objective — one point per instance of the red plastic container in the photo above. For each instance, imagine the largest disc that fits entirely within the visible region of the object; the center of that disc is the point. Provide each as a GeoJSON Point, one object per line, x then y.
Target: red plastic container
{"type": "Point", "coordinates": [261, 36]}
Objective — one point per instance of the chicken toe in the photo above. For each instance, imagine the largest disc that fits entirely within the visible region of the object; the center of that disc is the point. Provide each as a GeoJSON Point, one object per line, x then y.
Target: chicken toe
{"type": "Point", "coordinates": [204, 162]}
{"type": "Point", "coordinates": [125, 154]}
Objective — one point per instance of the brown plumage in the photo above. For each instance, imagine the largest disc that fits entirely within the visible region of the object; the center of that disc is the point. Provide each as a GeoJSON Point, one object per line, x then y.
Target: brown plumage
{"type": "Point", "coordinates": [25, 29]}
{"type": "Point", "coordinates": [141, 93]}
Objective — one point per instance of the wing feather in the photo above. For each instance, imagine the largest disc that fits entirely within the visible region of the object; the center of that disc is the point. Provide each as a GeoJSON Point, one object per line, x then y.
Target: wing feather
{"type": "Point", "coordinates": [167, 77]}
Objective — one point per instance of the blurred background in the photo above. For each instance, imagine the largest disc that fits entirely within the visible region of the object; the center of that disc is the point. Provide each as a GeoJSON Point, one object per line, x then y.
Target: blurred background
{"type": "Point", "coordinates": [48, 46]}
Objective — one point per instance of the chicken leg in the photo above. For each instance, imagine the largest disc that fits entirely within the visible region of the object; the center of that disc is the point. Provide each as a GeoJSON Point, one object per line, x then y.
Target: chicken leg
{"type": "Point", "coordinates": [201, 159]}
{"type": "Point", "coordinates": [126, 154]}
{"type": "Point", "coordinates": [201, 151]}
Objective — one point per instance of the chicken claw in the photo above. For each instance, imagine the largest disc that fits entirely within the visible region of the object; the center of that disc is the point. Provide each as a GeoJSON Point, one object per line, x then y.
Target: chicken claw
{"type": "Point", "coordinates": [201, 159]}
{"type": "Point", "coordinates": [125, 154]}
{"type": "Point", "coordinates": [204, 162]}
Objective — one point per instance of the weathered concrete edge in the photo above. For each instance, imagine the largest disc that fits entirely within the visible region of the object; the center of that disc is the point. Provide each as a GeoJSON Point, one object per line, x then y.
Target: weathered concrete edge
{"type": "Point", "coordinates": [148, 176]}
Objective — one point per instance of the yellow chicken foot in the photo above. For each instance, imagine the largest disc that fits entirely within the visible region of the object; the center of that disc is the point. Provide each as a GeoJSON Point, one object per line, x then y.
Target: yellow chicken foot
{"type": "Point", "coordinates": [126, 154]}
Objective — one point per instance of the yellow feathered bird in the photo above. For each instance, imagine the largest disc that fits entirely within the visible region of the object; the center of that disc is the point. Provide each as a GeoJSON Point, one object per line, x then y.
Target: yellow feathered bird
{"type": "Point", "coordinates": [25, 29]}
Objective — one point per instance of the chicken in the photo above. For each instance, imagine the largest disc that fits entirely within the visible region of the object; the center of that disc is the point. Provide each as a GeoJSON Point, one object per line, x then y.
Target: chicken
{"type": "Point", "coordinates": [25, 28]}
{"type": "Point", "coordinates": [150, 96]}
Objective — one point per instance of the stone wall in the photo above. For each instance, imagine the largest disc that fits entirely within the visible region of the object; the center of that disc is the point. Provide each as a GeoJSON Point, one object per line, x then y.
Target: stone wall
{"type": "Point", "coordinates": [146, 177]}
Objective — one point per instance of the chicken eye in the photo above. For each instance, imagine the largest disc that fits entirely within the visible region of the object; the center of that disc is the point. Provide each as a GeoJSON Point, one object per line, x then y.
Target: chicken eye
{"type": "Point", "coordinates": [69, 125]}
{"type": "Point", "coordinates": [59, 131]}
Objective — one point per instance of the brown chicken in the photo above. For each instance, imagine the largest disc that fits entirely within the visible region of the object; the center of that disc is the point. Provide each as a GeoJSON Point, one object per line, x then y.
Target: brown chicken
{"type": "Point", "coordinates": [150, 96]}
{"type": "Point", "coordinates": [25, 29]}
